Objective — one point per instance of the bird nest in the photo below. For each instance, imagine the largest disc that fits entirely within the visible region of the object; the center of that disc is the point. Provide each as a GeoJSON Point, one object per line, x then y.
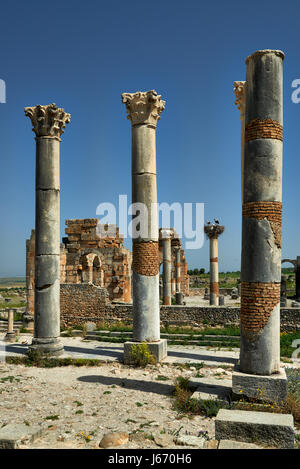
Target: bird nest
{"type": "Point", "coordinates": [213, 231]}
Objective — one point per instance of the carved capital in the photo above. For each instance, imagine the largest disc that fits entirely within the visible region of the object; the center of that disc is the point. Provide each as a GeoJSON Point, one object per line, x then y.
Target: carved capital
{"type": "Point", "coordinates": [48, 121]}
{"type": "Point", "coordinates": [240, 94]}
{"type": "Point", "coordinates": [143, 107]}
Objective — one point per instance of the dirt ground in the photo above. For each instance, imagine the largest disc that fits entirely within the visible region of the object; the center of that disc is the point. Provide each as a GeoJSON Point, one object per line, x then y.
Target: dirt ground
{"type": "Point", "coordinates": [77, 406]}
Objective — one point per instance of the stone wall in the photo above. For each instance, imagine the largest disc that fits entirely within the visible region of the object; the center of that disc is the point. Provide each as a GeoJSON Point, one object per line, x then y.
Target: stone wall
{"type": "Point", "coordinates": [83, 302]}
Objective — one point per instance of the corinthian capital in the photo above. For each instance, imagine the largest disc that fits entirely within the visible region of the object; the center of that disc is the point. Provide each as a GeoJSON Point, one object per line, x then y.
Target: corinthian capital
{"type": "Point", "coordinates": [143, 107]}
{"type": "Point", "coordinates": [239, 91]}
{"type": "Point", "coordinates": [48, 121]}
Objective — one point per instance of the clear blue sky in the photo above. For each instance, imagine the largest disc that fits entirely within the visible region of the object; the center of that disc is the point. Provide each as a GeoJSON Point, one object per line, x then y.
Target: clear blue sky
{"type": "Point", "coordinates": [83, 55]}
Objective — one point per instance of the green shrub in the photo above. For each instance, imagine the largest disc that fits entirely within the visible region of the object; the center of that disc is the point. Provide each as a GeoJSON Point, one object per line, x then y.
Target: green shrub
{"type": "Point", "coordinates": [140, 355]}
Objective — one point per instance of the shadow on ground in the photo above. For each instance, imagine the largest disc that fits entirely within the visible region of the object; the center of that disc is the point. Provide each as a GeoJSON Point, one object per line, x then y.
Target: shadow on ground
{"type": "Point", "coordinates": [146, 386]}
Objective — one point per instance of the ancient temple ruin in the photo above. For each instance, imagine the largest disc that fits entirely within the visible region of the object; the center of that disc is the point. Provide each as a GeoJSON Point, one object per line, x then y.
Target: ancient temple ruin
{"type": "Point", "coordinates": [88, 258]}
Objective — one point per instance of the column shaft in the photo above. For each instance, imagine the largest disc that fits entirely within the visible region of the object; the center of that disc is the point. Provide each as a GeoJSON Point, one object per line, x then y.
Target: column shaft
{"type": "Point", "coordinates": [262, 212]}
{"type": "Point", "coordinates": [214, 272]}
{"type": "Point", "coordinates": [167, 271]}
{"type": "Point", "coordinates": [48, 123]}
{"type": "Point", "coordinates": [178, 270]}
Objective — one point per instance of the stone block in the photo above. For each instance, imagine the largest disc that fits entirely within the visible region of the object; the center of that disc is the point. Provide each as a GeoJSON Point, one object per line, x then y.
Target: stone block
{"type": "Point", "coordinates": [158, 349]}
{"type": "Point", "coordinates": [255, 427]}
{"type": "Point", "coordinates": [272, 388]}
{"type": "Point", "coordinates": [231, 444]}
{"type": "Point", "coordinates": [212, 389]}
{"type": "Point", "coordinates": [12, 435]}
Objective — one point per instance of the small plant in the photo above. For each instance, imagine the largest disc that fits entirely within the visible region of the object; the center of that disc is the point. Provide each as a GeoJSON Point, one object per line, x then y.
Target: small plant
{"type": "Point", "coordinates": [161, 378]}
{"type": "Point", "coordinates": [107, 392]}
{"type": "Point", "coordinates": [138, 404]}
{"type": "Point", "coordinates": [52, 417]}
{"type": "Point", "coordinates": [79, 411]}
{"type": "Point", "coordinates": [78, 403]}
{"type": "Point", "coordinates": [140, 355]}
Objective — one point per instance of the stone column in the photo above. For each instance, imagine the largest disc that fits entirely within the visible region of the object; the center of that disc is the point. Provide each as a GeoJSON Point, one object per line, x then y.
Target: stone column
{"type": "Point", "coordinates": [177, 270]}
{"type": "Point", "coordinates": [261, 232]}
{"type": "Point", "coordinates": [144, 109]}
{"type": "Point", "coordinates": [10, 335]}
{"type": "Point", "coordinates": [167, 264]}
{"type": "Point", "coordinates": [48, 124]}
{"type": "Point", "coordinates": [173, 282]}
{"type": "Point", "coordinates": [297, 275]}
{"type": "Point", "coordinates": [239, 90]}
{"type": "Point", "coordinates": [213, 232]}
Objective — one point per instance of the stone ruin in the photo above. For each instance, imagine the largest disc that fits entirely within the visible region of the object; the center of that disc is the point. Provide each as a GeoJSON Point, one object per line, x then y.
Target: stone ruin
{"type": "Point", "coordinates": [86, 257]}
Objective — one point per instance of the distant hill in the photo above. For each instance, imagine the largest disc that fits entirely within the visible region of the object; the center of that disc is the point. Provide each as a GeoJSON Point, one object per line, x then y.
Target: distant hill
{"type": "Point", "coordinates": [12, 281]}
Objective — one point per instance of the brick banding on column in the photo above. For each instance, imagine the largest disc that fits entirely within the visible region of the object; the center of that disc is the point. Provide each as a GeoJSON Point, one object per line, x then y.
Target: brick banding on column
{"type": "Point", "coordinates": [258, 302]}
{"type": "Point", "coordinates": [266, 128]}
{"type": "Point", "coordinates": [272, 211]}
{"type": "Point", "coordinates": [213, 259]}
{"type": "Point", "coordinates": [145, 258]}
{"type": "Point", "coordinates": [214, 287]}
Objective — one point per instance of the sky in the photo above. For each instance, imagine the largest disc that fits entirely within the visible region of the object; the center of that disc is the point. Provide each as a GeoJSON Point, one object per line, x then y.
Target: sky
{"type": "Point", "coordinates": [83, 55]}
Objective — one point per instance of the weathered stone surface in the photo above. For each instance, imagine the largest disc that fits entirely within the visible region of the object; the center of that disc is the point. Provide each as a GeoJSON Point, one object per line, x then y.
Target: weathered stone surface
{"type": "Point", "coordinates": [114, 439]}
{"type": "Point", "coordinates": [211, 444]}
{"type": "Point", "coordinates": [263, 427]}
{"type": "Point", "coordinates": [271, 388]}
{"type": "Point", "coordinates": [12, 435]}
{"type": "Point", "coordinates": [231, 444]}
{"type": "Point", "coordinates": [164, 440]}
{"type": "Point", "coordinates": [212, 389]}
{"type": "Point", "coordinates": [190, 440]}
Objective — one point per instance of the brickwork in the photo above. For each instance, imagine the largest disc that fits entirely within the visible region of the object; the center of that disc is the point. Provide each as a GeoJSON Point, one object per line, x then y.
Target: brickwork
{"type": "Point", "coordinates": [145, 258]}
{"type": "Point", "coordinates": [266, 128]}
{"type": "Point", "coordinates": [85, 257]}
{"type": "Point", "coordinates": [214, 287]}
{"type": "Point", "coordinates": [258, 302]}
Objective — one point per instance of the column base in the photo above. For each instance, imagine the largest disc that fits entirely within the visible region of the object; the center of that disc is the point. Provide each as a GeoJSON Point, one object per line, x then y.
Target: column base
{"type": "Point", "coordinates": [48, 346]}
{"type": "Point", "coordinates": [28, 321]}
{"type": "Point", "coordinates": [271, 388]}
{"type": "Point", "coordinates": [10, 337]}
{"type": "Point", "coordinates": [157, 349]}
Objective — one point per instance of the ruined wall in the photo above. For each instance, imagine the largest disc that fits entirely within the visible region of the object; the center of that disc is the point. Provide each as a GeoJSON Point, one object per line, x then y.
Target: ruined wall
{"type": "Point", "coordinates": [81, 303]}
{"type": "Point", "coordinates": [87, 258]}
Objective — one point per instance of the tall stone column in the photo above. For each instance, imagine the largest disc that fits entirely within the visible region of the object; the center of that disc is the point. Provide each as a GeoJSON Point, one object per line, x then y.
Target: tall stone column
{"type": "Point", "coordinates": [144, 109]}
{"type": "Point", "coordinates": [178, 269]}
{"type": "Point", "coordinates": [167, 264]}
{"type": "Point", "coordinates": [213, 232]}
{"type": "Point", "coordinates": [48, 124]}
{"type": "Point", "coordinates": [239, 90]}
{"type": "Point", "coordinates": [261, 232]}
{"type": "Point", "coordinates": [10, 335]}
{"type": "Point", "coordinates": [297, 275]}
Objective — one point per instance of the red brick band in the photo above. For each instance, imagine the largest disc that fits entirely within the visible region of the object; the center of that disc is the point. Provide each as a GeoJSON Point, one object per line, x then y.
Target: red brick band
{"type": "Point", "coordinates": [272, 211]}
{"type": "Point", "coordinates": [145, 258]}
{"type": "Point", "coordinates": [214, 287]}
{"type": "Point", "coordinates": [258, 302]}
{"type": "Point", "coordinates": [213, 259]}
{"type": "Point", "coordinates": [266, 128]}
